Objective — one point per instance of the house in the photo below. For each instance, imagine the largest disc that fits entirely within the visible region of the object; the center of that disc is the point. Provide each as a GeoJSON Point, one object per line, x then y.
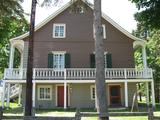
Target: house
{"type": "Point", "coordinates": [64, 62]}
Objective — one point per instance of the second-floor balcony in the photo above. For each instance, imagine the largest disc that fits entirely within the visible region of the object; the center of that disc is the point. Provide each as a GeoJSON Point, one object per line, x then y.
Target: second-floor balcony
{"type": "Point", "coordinates": [78, 74]}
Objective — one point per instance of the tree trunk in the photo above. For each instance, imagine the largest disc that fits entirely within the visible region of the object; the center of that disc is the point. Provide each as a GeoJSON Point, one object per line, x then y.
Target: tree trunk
{"type": "Point", "coordinates": [102, 107]}
{"type": "Point", "coordinates": [28, 102]}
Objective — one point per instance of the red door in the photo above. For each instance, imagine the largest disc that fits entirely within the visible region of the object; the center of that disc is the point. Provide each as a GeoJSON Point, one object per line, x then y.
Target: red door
{"type": "Point", "coordinates": [115, 95]}
{"type": "Point", "coordinates": [60, 96]}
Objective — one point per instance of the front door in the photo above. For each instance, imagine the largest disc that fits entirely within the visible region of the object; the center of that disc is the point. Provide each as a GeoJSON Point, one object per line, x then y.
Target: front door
{"type": "Point", "coordinates": [115, 95]}
{"type": "Point", "coordinates": [60, 96]}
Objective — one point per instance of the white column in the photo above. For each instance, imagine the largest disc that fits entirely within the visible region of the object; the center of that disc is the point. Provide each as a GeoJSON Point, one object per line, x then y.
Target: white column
{"type": "Point", "coordinates": [8, 94]}
{"type": "Point", "coordinates": [11, 58]}
{"type": "Point", "coordinates": [65, 90]}
{"type": "Point", "coordinates": [126, 93]}
{"type": "Point", "coordinates": [34, 94]}
{"type": "Point", "coordinates": [21, 65]}
{"type": "Point", "coordinates": [147, 93]}
{"type": "Point", "coordinates": [144, 57]}
{"type": "Point", "coordinates": [65, 95]}
{"type": "Point", "coordinates": [19, 95]}
{"type": "Point", "coordinates": [153, 94]}
{"type": "Point", "coordinates": [4, 91]}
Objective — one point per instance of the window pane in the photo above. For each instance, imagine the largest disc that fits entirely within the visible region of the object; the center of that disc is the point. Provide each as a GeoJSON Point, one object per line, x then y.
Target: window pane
{"type": "Point", "coordinates": [59, 31]}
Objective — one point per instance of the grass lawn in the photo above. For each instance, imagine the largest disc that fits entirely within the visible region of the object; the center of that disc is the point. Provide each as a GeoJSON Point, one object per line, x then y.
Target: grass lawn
{"type": "Point", "coordinates": [18, 110]}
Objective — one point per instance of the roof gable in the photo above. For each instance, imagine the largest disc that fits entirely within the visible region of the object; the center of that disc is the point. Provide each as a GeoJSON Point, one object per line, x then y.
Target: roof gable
{"type": "Point", "coordinates": [52, 16]}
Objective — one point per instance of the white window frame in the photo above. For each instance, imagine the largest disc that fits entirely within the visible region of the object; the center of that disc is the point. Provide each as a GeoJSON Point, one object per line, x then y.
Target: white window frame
{"type": "Point", "coordinates": [45, 86]}
{"type": "Point", "coordinates": [59, 24]}
{"type": "Point", "coordinates": [91, 92]}
{"type": "Point", "coordinates": [104, 31]}
{"type": "Point", "coordinates": [59, 53]}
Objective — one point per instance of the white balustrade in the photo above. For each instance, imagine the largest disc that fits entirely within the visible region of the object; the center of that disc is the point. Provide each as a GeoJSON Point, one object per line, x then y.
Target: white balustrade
{"type": "Point", "coordinates": [78, 73]}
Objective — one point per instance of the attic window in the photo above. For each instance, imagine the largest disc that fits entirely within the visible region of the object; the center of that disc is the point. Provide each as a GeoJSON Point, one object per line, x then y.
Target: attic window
{"type": "Point", "coordinates": [59, 30]}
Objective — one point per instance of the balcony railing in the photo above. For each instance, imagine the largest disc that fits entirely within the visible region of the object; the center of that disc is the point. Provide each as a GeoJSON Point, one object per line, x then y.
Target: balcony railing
{"type": "Point", "coordinates": [78, 73]}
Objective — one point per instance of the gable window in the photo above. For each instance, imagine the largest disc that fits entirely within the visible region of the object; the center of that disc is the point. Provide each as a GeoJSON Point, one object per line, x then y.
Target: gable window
{"type": "Point", "coordinates": [58, 60]}
{"type": "Point", "coordinates": [93, 93]}
{"type": "Point", "coordinates": [44, 92]}
{"type": "Point", "coordinates": [59, 30]}
{"type": "Point", "coordinates": [104, 31]}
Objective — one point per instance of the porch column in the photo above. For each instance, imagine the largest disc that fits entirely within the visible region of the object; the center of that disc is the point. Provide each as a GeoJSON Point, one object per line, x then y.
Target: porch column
{"type": "Point", "coordinates": [144, 57]}
{"type": "Point", "coordinates": [126, 93]}
{"type": "Point", "coordinates": [11, 59]}
{"type": "Point", "coordinates": [65, 95]}
{"type": "Point", "coordinates": [4, 91]}
{"type": "Point", "coordinates": [34, 95]}
{"type": "Point", "coordinates": [21, 65]}
{"type": "Point", "coordinates": [153, 94]}
{"type": "Point", "coordinates": [65, 90]}
{"type": "Point", "coordinates": [8, 94]}
{"type": "Point", "coordinates": [147, 94]}
{"type": "Point", "coordinates": [19, 95]}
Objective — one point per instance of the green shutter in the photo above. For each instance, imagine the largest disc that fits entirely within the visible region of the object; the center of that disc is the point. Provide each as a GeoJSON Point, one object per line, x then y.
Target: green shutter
{"type": "Point", "coordinates": [109, 60]}
{"type": "Point", "coordinates": [67, 60]}
{"type": "Point", "coordinates": [92, 61]}
{"type": "Point", "coordinates": [50, 60]}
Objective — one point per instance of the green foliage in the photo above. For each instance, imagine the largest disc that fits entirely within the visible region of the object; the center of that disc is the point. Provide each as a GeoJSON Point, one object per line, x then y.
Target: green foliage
{"type": "Point", "coordinates": [10, 27]}
{"type": "Point", "coordinates": [149, 13]}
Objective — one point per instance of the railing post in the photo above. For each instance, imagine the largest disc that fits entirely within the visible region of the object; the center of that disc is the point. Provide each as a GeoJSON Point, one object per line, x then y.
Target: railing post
{"type": "Point", "coordinates": [77, 115]}
{"type": "Point", "coordinates": [1, 113]}
{"type": "Point", "coordinates": [150, 113]}
{"type": "Point", "coordinates": [4, 92]}
{"type": "Point", "coordinates": [125, 73]}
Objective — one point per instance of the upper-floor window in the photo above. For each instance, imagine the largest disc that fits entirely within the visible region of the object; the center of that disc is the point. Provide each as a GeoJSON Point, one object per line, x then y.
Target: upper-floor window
{"type": "Point", "coordinates": [59, 30]}
{"type": "Point", "coordinates": [58, 60]}
{"type": "Point", "coordinates": [107, 60]}
{"type": "Point", "coordinates": [104, 31]}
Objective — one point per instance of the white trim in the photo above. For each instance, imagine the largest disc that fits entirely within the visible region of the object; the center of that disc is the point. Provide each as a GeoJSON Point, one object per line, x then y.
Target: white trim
{"type": "Point", "coordinates": [80, 81]}
{"type": "Point", "coordinates": [153, 94]}
{"type": "Point", "coordinates": [59, 52]}
{"type": "Point", "coordinates": [107, 18]}
{"type": "Point", "coordinates": [91, 92]}
{"type": "Point", "coordinates": [104, 31]}
{"type": "Point", "coordinates": [59, 24]}
{"type": "Point", "coordinates": [8, 94]}
{"type": "Point", "coordinates": [44, 86]}
{"type": "Point", "coordinates": [147, 93]}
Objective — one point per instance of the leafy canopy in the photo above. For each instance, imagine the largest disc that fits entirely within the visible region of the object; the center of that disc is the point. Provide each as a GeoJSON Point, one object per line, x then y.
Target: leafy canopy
{"type": "Point", "coordinates": [149, 14]}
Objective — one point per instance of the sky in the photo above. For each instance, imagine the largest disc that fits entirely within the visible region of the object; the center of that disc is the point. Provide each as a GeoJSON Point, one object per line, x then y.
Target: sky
{"type": "Point", "coordinates": [121, 11]}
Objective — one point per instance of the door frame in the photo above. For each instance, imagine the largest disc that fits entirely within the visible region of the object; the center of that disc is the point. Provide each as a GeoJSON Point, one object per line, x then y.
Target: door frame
{"type": "Point", "coordinates": [56, 96]}
{"type": "Point", "coordinates": [109, 87]}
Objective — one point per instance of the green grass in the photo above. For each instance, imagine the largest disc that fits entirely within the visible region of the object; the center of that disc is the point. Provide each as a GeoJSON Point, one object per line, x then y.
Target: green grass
{"type": "Point", "coordinates": [17, 110]}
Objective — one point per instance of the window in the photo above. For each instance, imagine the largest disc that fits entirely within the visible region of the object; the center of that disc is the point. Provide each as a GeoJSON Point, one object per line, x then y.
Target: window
{"type": "Point", "coordinates": [44, 92]}
{"type": "Point", "coordinates": [93, 93]}
{"type": "Point", "coordinates": [59, 30]}
{"type": "Point", "coordinates": [58, 60]}
{"type": "Point", "coordinates": [104, 31]}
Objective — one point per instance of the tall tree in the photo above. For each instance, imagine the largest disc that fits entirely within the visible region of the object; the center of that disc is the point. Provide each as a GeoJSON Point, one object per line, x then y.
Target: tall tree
{"type": "Point", "coordinates": [149, 14]}
{"type": "Point", "coordinates": [99, 53]}
{"type": "Point", "coordinates": [28, 102]}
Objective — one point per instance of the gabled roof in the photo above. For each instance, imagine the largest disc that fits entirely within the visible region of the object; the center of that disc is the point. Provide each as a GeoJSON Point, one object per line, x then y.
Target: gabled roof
{"type": "Point", "coordinates": [107, 18]}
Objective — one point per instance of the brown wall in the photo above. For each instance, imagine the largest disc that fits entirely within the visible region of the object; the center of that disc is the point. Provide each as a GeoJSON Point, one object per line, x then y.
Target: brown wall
{"type": "Point", "coordinates": [79, 41]}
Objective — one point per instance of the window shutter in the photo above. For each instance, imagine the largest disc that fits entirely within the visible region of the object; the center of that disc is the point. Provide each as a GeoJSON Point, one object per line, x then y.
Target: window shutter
{"type": "Point", "coordinates": [92, 61]}
{"type": "Point", "coordinates": [67, 60]}
{"type": "Point", "coordinates": [50, 60]}
{"type": "Point", "coordinates": [109, 60]}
